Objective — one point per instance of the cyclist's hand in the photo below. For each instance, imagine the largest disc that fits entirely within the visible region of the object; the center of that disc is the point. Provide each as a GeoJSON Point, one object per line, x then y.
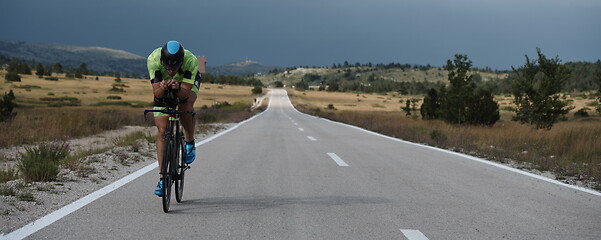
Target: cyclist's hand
{"type": "Point", "coordinates": [165, 84]}
{"type": "Point", "coordinates": [173, 84]}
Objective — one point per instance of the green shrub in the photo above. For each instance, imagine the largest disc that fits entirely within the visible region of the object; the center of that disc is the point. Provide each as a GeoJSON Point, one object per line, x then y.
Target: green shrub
{"type": "Point", "coordinates": [7, 175]}
{"type": "Point", "coordinates": [331, 107]}
{"type": "Point", "coordinates": [7, 104]}
{"type": "Point", "coordinates": [7, 191]}
{"type": "Point", "coordinates": [51, 78]}
{"type": "Point", "coordinates": [220, 105]}
{"type": "Point", "coordinates": [483, 110]}
{"type": "Point", "coordinates": [438, 135]}
{"type": "Point", "coordinates": [40, 163]}
{"type": "Point", "coordinates": [61, 101]}
{"type": "Point", "coordinates": [257, 90]}
{"type": "Point", "coordinates": [123, 85]}
{"type": "Point", "coordinates": [583, 112]}
{"type": "Point", "coordinates": [28, 86]}
{"type": "Point", "coordinates": [207, 117]}
{"type": "Point", "coordinates": [114, 97]}
{"type": "Point", "coordinates": [116, 89]}
{"type": "Point", "coordinates": [13, 77]}
{"type": "Point", "coordinates": [26, 196]}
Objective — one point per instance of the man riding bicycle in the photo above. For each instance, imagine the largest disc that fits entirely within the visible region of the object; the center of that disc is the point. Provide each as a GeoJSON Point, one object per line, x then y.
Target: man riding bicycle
{"type": "Point", "coordinates": [173, 67]}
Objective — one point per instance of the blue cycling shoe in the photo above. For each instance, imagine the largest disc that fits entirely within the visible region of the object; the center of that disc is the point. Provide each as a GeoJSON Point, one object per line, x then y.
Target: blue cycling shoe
{"type": "Point", "coordinates": [190, 152]}
{"type": "Point", "coordinates": [159, 190]}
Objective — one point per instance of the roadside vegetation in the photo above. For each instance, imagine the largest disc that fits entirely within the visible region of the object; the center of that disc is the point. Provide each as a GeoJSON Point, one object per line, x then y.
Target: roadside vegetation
{"type": "Point", "coordinates": [44, 112]}
{"type": "Point", "coordinates": [571, 149]}
{"type": "Point", "coordinates": [534, 124]}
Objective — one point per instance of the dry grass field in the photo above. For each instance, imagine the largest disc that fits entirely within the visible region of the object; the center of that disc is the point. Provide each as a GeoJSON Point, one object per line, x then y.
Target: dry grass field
{"type": "Point", "coordinates": [89, 91]}
{"type": "Point", "coordinates": [392, 102]}
{"type": "Point", "coordinates": [70, 108]}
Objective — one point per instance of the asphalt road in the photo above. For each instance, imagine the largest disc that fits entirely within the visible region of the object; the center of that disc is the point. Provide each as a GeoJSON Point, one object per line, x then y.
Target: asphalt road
{"type": "Point", "coordinates": [286, 175]}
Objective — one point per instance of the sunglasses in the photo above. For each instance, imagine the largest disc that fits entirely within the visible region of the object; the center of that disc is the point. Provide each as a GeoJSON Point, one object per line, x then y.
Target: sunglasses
{"type": "Point", "coordinates": [172, 64]}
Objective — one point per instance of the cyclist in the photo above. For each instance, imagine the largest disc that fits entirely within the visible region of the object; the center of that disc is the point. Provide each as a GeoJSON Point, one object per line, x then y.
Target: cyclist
{"type": "Point", "coordinates": [174, 67]}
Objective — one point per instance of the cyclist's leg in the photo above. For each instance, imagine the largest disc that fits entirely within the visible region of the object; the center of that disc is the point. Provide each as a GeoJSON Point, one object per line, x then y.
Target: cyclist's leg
{"type": "Point", "coordinates": [187, 120]}
{"type": "Point", "coordinates": [161, 123]}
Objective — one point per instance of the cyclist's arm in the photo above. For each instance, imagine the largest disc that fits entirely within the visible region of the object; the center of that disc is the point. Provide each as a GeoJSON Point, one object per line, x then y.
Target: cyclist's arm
{"type": "Point", "coordinates": [156, 77]}
{"type": "Point", "coordinates": [157, 84]}
{"type": "Point", "coordinates": [184, 90]}
{"type": "Point", "coordinates": [158, 90]}
{"type": "Point", "coordinates": [191, 68]}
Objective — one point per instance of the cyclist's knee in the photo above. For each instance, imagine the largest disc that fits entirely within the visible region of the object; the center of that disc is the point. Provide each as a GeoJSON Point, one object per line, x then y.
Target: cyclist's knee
{"type": "Point", "coordinates": [189, 104]}
{"type": "Point", "coordinates": [161, 132]}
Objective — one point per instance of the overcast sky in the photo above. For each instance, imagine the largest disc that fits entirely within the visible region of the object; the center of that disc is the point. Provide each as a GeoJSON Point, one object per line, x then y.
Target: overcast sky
{"type": "Point", "coordinates": [319, 32]}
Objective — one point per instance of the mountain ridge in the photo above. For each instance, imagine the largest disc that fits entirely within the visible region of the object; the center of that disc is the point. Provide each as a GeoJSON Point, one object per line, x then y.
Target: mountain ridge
{"type": "Point", "coordinates": [103, 60]}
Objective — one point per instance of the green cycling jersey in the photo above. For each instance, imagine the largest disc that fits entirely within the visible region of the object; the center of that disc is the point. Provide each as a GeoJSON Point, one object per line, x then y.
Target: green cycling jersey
{"type": "Point", "coordinates": [187, 72]}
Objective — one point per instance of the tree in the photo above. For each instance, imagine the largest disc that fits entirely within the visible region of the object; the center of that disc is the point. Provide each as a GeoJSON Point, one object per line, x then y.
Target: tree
{"type": "Point", "coordinates": [39, 70]}
{"type": "Point", "coordinates": [301, 85]}
{"type": "Point", "coordinates": [462, 102]}
{"type": "Point", "coordinates": [57, 67]}
{"type": "Point", "coordinates": [371, 78]}
{"type": "Point", "coordinates": [13, 77]}
{"type": "Point", "coordinates": [459, 94]}
{"type": "Point", "coordinates": [407, 108]}
{"type": "Point", "coordinates": [257, 90]}
{"type": "Point", "coordinates": [19, 67]}
{"type": "Point", "coordinates": [7, 105]}
{"type": "Point", "coordinates": [483, 110]}
{"type": "Point", "coordinates": [536, 87]}
{"type": "Point", "coordinates": [410, 106]}
{"type": "Point", "coordinates": [81, 70]}
{"type": "Point", "coordinates": [278, 84]}
{"type": "Point", "coordinates": [431, 107]}
{"type": "Point", "coordinates": [333, 87]}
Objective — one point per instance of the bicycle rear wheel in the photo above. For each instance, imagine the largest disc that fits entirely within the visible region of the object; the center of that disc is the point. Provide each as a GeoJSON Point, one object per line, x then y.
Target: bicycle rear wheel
{"type": "Point", "coordinates": [181, 168]}
{"type": "Point", "coordinates": [167, 174]}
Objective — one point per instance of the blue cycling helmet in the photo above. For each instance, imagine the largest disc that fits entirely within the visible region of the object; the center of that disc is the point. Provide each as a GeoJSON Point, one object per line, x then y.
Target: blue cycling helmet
{"type": "Point", "coordinates": [172, 55]}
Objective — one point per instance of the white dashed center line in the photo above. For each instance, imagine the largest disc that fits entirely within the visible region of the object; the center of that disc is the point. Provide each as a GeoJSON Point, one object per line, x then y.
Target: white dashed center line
{"type": "Point", "coordinates": [311, 138]}
{"type": "Point", "coordinates": [413, 234]}
{"type": "Point", "coordinates": [338, 160]}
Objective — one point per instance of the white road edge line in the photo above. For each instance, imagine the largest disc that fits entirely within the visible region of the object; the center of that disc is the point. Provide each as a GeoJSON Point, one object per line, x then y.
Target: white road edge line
{"type": "Point", "coordinates": [35, 226]}
{"type": "Point", "coordinates": [338, 160]}
{"type": "Point", "coordinates": [582, 189]}
{"type": "Point", "coordinates": [413, 234]}
{"type": "Point", "coordinates": [311, 138]}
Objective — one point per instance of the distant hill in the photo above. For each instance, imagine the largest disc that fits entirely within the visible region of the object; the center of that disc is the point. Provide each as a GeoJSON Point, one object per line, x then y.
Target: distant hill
{"type": "Point", "coordinates": [240, 68]}
{"type": "Point", "coordinates": [98, 59]}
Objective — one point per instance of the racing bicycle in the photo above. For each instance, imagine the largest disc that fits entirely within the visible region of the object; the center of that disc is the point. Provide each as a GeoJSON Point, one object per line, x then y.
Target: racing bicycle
{"type": "Point", "coordinates": [173, 168]}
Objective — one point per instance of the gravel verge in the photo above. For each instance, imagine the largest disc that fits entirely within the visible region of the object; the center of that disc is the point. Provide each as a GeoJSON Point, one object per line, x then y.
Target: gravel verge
{"type": "Point", "coordinates": [22, 202]}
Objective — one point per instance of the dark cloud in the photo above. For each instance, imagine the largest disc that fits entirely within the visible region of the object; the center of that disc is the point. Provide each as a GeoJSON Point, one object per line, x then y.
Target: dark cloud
{"type": "Point", "coordinates": [311, 32]}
